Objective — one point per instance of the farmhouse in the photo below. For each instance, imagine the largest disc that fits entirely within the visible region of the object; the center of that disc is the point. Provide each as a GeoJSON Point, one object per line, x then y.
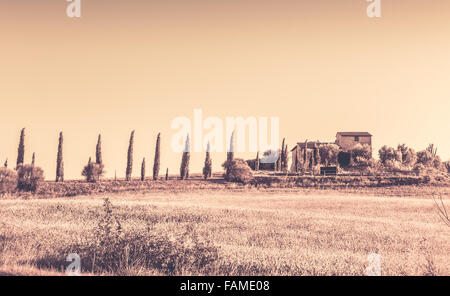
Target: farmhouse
{"type": "Point", "coordinates": [349, 140]}
{"type": "Point", "coordinates": [306, 155]}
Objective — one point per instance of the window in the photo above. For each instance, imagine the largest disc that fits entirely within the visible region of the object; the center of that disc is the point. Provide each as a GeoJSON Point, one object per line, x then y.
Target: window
{"type": "Point", "coordinates": [356, 138]}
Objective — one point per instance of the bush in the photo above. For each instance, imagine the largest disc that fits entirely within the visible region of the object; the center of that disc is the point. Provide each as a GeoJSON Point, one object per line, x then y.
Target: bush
{"type": "Point", "coordinates": [389, 154]}
{"type": "Point", "coordinates": [8, 180]}
{"type": "Point", "coordinates": [29, 177]}
{"type": "Point", "coordinates": [237, 170]}
{"type": "Point", "coordinates": [93, 172]}
{"type": "Point", "coordinates": [447, 166]}
{"type": "Point", "coordinates": [112, 250]}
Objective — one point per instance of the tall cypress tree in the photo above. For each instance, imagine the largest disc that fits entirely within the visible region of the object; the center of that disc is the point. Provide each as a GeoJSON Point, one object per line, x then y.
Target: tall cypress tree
{"type": "Point", "coordinates": [59, 160]}
{"type": "Point", "coordinates": [98, 151]}
{"type": "Point", "coordinates": [257, 162]}
{"type": "Point", "coordinates": [143, 170]}
{"type": "Point", "coordinates": [129, 170]}
{"type": "Point", "coordinates": [207, 169]}
{"type": "Point", "coordinates": [167, 174]}
{"type": "Point", "coordinates": [230, 152]}
{"type": "Point", "coordinates": [33, 159]}
{"type": "Point", "coordinates": [156, 163]}
{"type": "Point", "coordinates": [21, 149]}
{"type": "Point", "coordinates": [184, 168]}
{"type": "Point", "coordinates": [6, 163]}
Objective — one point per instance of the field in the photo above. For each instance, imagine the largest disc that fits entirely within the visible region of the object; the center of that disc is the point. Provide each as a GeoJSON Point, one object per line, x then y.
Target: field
{"type": "Point", "coordinates": [314, 232]}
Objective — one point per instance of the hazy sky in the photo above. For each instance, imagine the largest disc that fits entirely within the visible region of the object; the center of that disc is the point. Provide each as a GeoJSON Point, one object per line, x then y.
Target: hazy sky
{"type": "Point", "coordinates": [322, 66]}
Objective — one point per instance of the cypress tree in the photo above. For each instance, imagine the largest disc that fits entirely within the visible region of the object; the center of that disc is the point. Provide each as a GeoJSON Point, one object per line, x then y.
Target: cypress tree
{"type": "Point", "coordinates": [143, 170]}
{"type": "Point", "coordinates": [33, 159]}
{"type": "Point", "coordinates": [130, 158]}
{"type": "Point", "coordinates": [257, 162]}
{"type": "Point", "coordinates": [21, 149]}
{"type": "Point", "coordinates": [98, 151]}
{"type": "Point", "coordinates": [281, 167]}
{"type": "Point", "coordinates": [167, 174]}
{"type": "Point", "coordinates": [207, 169]}
{"type": "Point", "coordinates": [285, 157]}
{"type": "Point", "coordinates": [230, 153]}
{"type": "Point", "coordinates": [59, 160]}
{"type": "Point", "coordinates": [184, 168]}
{"type": "Point", "coordinates": [156, 163]}
{"type": "Point", "coordinates": [6, 163]}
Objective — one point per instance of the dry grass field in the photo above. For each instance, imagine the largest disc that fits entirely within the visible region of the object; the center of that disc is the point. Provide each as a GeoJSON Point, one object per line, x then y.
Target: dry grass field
{"type": "Point", "coordinates": [262, 233]}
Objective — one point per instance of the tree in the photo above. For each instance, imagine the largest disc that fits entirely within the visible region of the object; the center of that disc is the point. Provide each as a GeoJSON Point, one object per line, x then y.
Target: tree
{"type": "Point", "coordinates": [59, 160]}
{"type": "Point", "coordinates": [388, 153]}
{"type": "Point", "coordinates": [129, 170]}
{"type": "Point", "coordinates": [362, 154]}
{"type": "Point", "coordinates": [282, 158]}
{"type": "Point", "coordinates": [6, 163]}
{"type": "Point", "coordinates": [98, 157]}
{"type": "Point", "coordinates": [237, 170]}
{"type": "Point", "coordinates": [8, 180]}
{"type": "Point", "coordinates": [167, 174]}
{"type": "Point", "coordinates": [432, 149]}
{"type": "Point", "coordinates": [207, 169]}
{"type": "Point", "coordinates": [143, 170]}
{"type": "Point", "coordinates": [156, 163]}
{"type": "Point", "coordinates": [21, 149]}
{"type": "Point", "coordinates": [184, 168]}
{"type": "Point", "coordinates": [409, 156]}
{"type": "Point", "coordinates": [329, 153]}
{"type": "Point", "coordinates": [447, 166]}
{"type": "Point", "coordinates": [230, 152]}
{"type": "Point", "coordinates": [33, 159]}
{"type": "Point", "coordinates": [257, 162]}
{"type": "Point", "coordinates": [29, 177]}
{"type": "Point", "coordinates": [92, 171]}
{"type": "Point", "coordinates": [425, 157]}
{"type": "Point", "coordinates": [98, 151]}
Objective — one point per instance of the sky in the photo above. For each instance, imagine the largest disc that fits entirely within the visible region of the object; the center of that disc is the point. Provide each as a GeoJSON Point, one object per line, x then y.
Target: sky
{"type": "Point", "coordinates": [321, 66]}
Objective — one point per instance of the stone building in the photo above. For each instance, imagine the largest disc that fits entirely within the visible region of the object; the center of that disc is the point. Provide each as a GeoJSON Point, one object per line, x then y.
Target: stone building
{"type": "Point", "coordinates": [349, 140]}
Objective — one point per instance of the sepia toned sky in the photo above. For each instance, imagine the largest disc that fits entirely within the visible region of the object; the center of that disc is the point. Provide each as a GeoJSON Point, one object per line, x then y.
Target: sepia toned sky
{"type": "Point", "coordinates": [321, 66]}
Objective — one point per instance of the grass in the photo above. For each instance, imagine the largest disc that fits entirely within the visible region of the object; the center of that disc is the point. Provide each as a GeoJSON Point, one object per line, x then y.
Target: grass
{"type": "Point", "coordinates": [254, 233]}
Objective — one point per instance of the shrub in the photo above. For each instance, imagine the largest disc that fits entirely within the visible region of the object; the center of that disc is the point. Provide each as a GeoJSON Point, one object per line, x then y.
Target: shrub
{"type": "Point", "coordinates": [8, 180]}
{"type": "Point", "coordinates": [110, 249]}
{"type": "Point", "coordinates": [29, 177]}
{"type": "Point", "coordinates": [419, 169]}
{"type": "Point", "coordinates": [92, 171]}
{"type": "Point", "coordinates": [237, 170]}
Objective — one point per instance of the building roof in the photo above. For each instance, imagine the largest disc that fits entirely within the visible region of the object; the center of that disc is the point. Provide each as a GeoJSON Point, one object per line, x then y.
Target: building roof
{"type": "Point", "coordinates": [354, 134]}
